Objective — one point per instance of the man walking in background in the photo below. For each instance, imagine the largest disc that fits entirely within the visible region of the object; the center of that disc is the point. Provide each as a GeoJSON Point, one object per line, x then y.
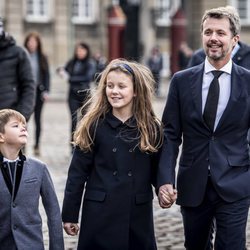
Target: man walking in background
{"type": "Point", "coordinates": [17, 86]}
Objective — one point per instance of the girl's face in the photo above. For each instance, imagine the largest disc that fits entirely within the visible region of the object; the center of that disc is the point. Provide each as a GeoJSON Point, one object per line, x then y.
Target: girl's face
{"type": "Point", "coordinates": [120, 92]}
{"type": "Point", "coordinates": [15, 133]}
{"type": "Point", "coordinates": [32, 44]}
{"type": "Point", "coordinates": [81, 53]}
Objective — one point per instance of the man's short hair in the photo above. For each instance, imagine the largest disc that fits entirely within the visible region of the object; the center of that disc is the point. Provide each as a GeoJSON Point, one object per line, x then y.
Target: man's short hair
{"type": "Point", "coordinates": [224, 12]}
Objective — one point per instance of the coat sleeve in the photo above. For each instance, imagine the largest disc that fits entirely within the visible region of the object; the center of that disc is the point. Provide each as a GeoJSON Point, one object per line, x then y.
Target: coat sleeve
{"type": "Point", "coordinates": [172, 137]}
{"type": "Point", "coordinates": [52, 209]}
{"type": "Point", "coordinates": [46, 75]}
{"type": "Point", "coordinates": [79, 171]}
{"type": "Point", "coordinates": [26, 87]}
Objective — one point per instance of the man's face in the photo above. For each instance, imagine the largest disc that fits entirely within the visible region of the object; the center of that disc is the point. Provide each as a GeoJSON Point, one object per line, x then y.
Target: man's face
{"type": "Point", "coordinates": [218, 40]}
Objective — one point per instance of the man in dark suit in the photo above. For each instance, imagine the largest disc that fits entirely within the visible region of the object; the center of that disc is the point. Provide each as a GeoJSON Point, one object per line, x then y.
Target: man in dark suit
{"type": "Point", "coordinates": [208, 112]}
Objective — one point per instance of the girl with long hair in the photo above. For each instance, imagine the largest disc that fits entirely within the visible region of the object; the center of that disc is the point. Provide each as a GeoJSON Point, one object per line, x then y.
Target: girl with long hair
{"type": "Point", "coordinates": [116, 154]}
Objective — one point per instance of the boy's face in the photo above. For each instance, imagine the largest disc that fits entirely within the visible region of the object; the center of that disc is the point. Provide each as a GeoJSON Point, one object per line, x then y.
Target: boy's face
{"type": "Point", "coordinates": [15, 133]}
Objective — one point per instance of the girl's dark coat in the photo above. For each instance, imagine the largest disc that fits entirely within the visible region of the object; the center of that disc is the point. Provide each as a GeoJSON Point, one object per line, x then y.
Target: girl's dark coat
{"type": "Point", "coordinates": [117, 206]}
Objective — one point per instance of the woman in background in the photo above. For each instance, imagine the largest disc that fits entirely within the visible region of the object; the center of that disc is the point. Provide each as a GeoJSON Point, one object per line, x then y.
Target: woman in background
{"type": "Point", "coordinates": [80, 70]}
{"type": "Point", "coordinates": [40, 68]}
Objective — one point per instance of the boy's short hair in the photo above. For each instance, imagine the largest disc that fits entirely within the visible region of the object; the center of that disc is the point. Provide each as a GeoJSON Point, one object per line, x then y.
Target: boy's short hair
{"type": "Point", "coordinates": [6, 114]}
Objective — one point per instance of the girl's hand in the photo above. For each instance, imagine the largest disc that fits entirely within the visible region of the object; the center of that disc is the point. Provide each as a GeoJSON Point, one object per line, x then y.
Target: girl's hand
{"type": "Point", "coordinates": [167, 196]}
{"type": "Point", "coordinates": [71, 228]}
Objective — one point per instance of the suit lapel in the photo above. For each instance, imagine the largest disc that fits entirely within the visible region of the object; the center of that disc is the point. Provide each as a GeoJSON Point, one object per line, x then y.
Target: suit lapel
{"type": "Point", "coordinates": [236, 89]}
{"type": "Point", "coordinates": [196, 87]}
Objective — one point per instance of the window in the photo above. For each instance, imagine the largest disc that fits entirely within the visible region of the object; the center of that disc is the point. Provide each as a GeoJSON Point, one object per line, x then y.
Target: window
{"type": "Point", "coordinates": [38, 10]}
{"type": "Point", "coordinates": [164, 10]}
{"type": "Point", "coordinates": [84, 11]}
{"type": "Point", "coordinates": [243, 7]}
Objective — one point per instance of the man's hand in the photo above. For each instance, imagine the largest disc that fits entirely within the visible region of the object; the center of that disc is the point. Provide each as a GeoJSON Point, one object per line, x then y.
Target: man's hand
{"type": "Point", "coordinates": [167, 195]}
{"type": "Point", "coordinates": [71, 228]}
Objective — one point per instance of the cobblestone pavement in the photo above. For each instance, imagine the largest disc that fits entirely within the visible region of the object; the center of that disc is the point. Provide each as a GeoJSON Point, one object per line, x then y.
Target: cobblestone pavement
{"type": "Point", "coordinates": [55, 151]}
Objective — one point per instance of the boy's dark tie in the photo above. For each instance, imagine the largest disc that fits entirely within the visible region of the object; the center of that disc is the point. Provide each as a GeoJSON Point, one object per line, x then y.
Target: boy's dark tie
{"type": "Point", "coordinates": [210, 109]}
{"type": "Point", "coordinates": [12, 168]}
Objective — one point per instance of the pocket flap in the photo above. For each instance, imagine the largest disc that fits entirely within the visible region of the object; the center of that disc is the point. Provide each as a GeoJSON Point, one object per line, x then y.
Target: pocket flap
{"type": "Point", "coordinates": [238, 161]}
{"type": "Point", "coordinates": [94, 195]}
{"type": "Point", "coordinates": [143, 198]}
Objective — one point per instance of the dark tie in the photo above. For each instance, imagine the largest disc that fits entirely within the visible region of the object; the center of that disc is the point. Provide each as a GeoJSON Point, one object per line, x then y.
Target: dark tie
{"type": "Point", "coordinates": [12, 168]}
{"type": "Point", "coordinates": [210, 109]}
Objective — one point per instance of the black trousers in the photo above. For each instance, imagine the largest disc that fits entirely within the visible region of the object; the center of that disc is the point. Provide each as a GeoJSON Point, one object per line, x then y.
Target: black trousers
{"type": "Point", "coordinates": [75, 102]}
{"type": "Point", "coordinates": [37, 117]}
{"type": "Point", "coordinates": [231, 220]}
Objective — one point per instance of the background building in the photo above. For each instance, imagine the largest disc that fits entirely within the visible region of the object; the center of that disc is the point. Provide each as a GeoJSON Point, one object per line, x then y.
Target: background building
{"type": "Point", "coordinates": [125, 28]}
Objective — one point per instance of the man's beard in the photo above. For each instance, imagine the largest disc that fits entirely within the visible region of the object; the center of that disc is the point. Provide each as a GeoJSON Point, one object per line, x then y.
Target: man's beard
{"type": "Point", "coordinates": [215, 56]}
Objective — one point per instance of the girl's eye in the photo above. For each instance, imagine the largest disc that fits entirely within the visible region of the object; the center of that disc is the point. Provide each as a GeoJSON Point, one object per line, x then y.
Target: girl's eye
{"type": "Point", "coordinates": [109, 85]}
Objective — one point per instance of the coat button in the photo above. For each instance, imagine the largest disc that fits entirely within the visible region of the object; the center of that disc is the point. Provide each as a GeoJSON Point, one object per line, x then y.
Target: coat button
{"type": "Point", "coordinates": [131, 150]}
{"type": "Point", "coordinates": [15, 227]}
{"type": "Point", "coordinates": [114, 149]}
{"type": "Point", "coordinates": [14, 205]}
{"type": "Point", "coordinates": [115, 173]}
{"type": "Point", "coordinates": [129, 173]}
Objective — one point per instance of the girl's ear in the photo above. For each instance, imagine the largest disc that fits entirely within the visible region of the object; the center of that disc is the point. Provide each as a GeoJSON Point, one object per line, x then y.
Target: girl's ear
{"type": "Point", "coordinates": [1, 137]}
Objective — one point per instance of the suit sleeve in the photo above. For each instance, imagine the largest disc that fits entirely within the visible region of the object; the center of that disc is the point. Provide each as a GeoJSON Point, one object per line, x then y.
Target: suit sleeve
{"type": "Point", "coordinates": [172, 137]}
{"type": "Point", "coordinates": [78, 174]}
{"type": "Point", "coordinates": [52, 209]}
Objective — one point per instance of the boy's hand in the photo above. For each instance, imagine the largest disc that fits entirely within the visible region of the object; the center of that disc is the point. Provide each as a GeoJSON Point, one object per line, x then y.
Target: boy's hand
{"type": "Point", "coordinates": [71, 228]}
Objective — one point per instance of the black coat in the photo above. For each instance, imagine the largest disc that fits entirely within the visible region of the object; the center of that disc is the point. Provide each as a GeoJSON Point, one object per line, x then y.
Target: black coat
{"type": "Point", "coordinates": [117, 205]}
{"type": "Point", "coordinates": [81, 74]}
{"type": "Point", "coordinates": [17, 86]}
{"type": "Point", "coordinates": [242, 57]}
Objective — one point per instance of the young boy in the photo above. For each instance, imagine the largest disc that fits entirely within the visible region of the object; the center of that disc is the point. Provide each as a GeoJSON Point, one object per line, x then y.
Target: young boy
{"type": "Point", "coordinates": [22, 182]}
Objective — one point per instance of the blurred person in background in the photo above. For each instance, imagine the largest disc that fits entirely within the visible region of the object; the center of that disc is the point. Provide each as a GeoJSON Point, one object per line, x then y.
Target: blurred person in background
{"type": "Point", "coordinates": [155, 63]}
{"type": "Point", "coordinates": [79, 71]}
{"type": "Point", "coordinates": [184, 55]}
{"type": "Point", "coordinates": [17, 87]}
{"type": "Point", "coordinates": [40, 70]}
{"type": "Point", "coordinates": [100, 64]}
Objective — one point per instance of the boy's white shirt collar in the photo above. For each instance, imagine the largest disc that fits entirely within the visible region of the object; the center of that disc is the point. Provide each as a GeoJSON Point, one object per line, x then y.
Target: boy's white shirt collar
{"type": "Point", "coordinates": [8, 160]}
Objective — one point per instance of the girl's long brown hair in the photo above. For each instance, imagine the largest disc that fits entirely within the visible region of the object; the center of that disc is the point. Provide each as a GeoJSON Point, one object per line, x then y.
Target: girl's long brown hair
{"type": "Point", "coordinates": [149, 126]}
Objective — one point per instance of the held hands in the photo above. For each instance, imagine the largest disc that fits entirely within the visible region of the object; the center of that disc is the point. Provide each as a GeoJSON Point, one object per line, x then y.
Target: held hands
{"type": "Point", "coordinates": [167, 195]}
{"type": "Point", "coordinates": [71, 228]}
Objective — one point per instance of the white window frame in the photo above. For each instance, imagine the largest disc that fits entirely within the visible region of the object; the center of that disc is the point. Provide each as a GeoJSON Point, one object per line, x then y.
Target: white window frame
{"type": "Point", "coordinates": [35, 16]}
{"type": "Point", "coordinates": [164, 10]}
{"type": "Point", "coordinates": [85, 17]}
{"type": "Point", "coordinates": [236, 3]}
{"type": "Point", "coordinates": [2, 8]}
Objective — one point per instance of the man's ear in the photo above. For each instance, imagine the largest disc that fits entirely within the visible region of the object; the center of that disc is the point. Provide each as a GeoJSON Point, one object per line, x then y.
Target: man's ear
{"type": "Point", "coordinates": [1, 137]}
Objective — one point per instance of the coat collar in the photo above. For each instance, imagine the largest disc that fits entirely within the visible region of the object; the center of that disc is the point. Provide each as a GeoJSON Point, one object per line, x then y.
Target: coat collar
{"type": "Point", "coordinates": [22, 157]}
{"type": "Point", "coordinates": [114, 122]}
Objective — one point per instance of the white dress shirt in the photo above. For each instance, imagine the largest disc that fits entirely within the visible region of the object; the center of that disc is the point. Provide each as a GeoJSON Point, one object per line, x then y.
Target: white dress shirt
{"type": "Point", "coordinates": [225, 87]}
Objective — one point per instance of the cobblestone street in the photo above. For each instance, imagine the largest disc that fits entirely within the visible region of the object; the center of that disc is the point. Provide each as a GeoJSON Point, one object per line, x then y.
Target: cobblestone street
{"type": "Point", "coordinates": [55, 151]}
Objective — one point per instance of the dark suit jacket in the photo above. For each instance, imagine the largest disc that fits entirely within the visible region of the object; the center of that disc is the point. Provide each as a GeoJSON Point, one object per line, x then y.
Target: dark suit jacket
{"type": "Point", "coordinates": [225, 149]}
{"type": "Point", "coordinates": [242, 57]}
